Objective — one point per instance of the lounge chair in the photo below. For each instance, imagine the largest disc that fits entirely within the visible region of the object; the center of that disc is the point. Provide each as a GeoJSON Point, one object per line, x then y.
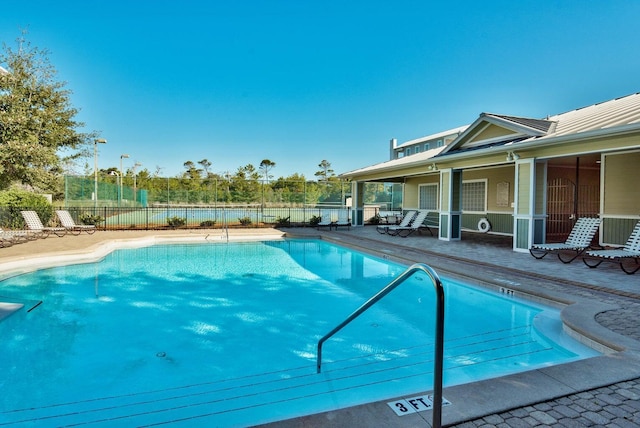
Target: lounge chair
{"type": "Point", "coordinates": [7, 240]}
{"type": "Point", "coordinates": [432, 220]}
{"type": "Point", "coordinates": [68, 223]}
{"type": "Point", "coordinates": [390, 217]}
{"type": "Point", "coordinates": [578, 241]}
{"type": "Point", "coordinates": [406, 220]}
{"type": "Point", "coordinates": [18, 236]}
{"type": "Point", "coordinates": [630, 251]}
{"type": "Point", "coordinates": [325, 219]}
{"type": "Point", "coordinates": [343, 219]}
{"type": "Point", "coordinates": [34, 224]}
{"type": "Point", "coordinates": [416, 224]}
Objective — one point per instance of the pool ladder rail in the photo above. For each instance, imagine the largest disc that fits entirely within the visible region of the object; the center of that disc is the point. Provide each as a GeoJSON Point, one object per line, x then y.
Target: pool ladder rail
{"type": "Point", "coordinates": [439, 330]}
{"type": "Point", "coordinates": [225, 226]}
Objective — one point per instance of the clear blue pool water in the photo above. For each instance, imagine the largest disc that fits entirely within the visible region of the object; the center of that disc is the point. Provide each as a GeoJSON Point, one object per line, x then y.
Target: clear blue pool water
{"type": "Point", "coordinates": [226, 334]}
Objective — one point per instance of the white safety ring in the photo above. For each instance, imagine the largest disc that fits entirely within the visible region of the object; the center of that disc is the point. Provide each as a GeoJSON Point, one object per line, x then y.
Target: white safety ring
{"type": "Point", "coordinates": [484, 225]}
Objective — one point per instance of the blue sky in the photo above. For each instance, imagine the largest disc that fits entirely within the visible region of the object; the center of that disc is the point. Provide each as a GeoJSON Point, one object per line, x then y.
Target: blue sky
{"type": "Point", "coordinates": [297, 82]}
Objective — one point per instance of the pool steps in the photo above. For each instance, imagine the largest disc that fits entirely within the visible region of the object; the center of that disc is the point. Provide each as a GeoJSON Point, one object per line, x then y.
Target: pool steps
{"type": "Point", "coordinates": [262, 398]}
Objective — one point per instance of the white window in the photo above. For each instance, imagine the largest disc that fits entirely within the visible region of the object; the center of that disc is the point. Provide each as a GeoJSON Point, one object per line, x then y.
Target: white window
{"type": "Point", "coordinates": [439, 143]}
{"type": "Point", "coordinates": [400, 155]}
{"type": "Point", "coordinates": [427, 146]}
{"type": "Point", "coordinates": [417, 149]}
{"type": "Point", "coordinates": [428, 197]}
{"type": "Point", "coordinates": [407, 151]}
{"type": "Point", "coordinates": [474, 196]}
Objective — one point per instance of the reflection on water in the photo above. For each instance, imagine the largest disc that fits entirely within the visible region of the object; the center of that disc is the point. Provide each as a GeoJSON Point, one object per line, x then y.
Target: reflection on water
{"type": "Point", "coordinates": [167, 316]}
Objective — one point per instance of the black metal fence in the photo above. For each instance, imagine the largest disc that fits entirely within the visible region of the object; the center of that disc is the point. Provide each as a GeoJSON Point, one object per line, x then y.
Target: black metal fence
{"type": "Point", "coordinates": [189, 217]}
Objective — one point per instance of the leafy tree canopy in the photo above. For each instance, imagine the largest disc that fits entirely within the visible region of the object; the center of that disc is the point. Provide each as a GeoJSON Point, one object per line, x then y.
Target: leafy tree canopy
{"type": "Point", "coordinates": [38, 130]}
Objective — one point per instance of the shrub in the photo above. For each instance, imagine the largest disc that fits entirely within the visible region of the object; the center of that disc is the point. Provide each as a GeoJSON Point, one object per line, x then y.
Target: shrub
{"type": "Point", "coordinates": [90, 219]}
{"type": "Point", "coordinates": [282, 222]}
{"type": "Point", "coordinates": [245, 221]}
{"type": "Point", "coordinates": [176, 221]}
{"type": "Point", "coordinates": [314, 220]}
{"type": "Point", "coordinates": [208, 223]}
{"type": "Point", "coordinates": [16, 200]}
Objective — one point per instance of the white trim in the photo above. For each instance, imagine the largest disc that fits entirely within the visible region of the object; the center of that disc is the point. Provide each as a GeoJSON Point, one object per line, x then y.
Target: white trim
{"type": "Point", "coordinates": [437, 186]}
{"type": "Point", "coordinates": [486, 191]}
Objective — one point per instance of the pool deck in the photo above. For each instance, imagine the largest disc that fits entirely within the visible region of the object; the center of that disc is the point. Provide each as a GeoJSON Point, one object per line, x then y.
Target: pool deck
{"type": "Point", "coordinates": [602, 308]}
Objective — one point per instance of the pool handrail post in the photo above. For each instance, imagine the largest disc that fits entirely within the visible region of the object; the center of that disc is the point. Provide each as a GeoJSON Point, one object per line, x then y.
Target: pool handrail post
{"type": "Point", "coordinates": [439, 330]}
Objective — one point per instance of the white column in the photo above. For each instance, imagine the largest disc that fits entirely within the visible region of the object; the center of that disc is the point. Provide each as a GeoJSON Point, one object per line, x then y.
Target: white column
{"type": "Point", "coordinates": [450, 205]}
{"type": "Point", "coordinates": [530, 202]}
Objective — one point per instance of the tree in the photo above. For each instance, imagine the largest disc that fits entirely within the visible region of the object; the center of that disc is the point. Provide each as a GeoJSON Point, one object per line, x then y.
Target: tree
{"type": "Point", "coordinates": [325, 172]}
{"type": "Point", "coordinates": [38, 129]}
{"type": "Point", "coordinates": [265, 166]}
{"type": "Point", "coordinates": [290, 189]}
{"type": "Point", "coordinates": [191, 173]}
{"type": "Point", "coordinates": [205, 164]}
{"type": "Point", "coordinates": [245, 187]}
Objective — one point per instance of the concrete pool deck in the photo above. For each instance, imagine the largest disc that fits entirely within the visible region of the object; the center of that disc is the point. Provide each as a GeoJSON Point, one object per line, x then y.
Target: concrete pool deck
{"type": "Point", "coordinates": [600, 391]}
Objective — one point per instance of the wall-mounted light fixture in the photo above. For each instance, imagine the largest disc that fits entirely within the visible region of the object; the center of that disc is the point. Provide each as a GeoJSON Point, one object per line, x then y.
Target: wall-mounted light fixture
{"type": "Point", "coordinates": [512, 156]}
{"type": "Point", "coordinates": [432, 167]}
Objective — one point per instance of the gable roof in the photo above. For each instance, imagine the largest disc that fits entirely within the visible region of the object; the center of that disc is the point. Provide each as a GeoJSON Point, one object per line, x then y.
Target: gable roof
{"type": "Point", "coordinates": [609, 114]}
{"type": "Point", "coordinates": [616, 116]}
{"type": "Point", "coordinates": [535, 124]}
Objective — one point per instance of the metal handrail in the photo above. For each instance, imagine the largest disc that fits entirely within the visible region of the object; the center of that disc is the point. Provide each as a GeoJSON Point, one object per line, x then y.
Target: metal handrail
{"type": "Point", "coordinates": [225, 226]}
{"type": "Point", "coordinates": [439, 345]}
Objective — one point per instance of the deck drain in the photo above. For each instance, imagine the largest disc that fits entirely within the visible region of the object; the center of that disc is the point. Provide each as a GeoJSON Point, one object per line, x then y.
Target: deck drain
{"type": "Point", "coordinates": [161, 354]}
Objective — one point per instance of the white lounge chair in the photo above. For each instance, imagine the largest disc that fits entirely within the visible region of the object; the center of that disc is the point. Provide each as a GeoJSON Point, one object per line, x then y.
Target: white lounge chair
{"type": "Point", "coordinates": [630, 252]}
{"type": "Point", "coordinates": [68, 223]}
{"type": "Point", "coordinates": [17, 236]}
{"type": "Point", "coordinates": [578, 241]}
{"type": "Point", "coordinates": [7, 240]}
{"type": "Point", "coordinates": [415, 224]}
{"type": "Point", "coordinates": [34, 224]}
{"type": "Point", "coordinates": [406, 220]}
{"type": "Point", "coordinates": [343, 219]}
{"type": "Point", "coordinates": [325, 219]}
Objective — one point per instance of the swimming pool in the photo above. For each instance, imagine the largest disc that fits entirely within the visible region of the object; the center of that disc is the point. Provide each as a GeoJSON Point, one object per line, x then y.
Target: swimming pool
{"type": "Point", "coordinates": [225, 335]}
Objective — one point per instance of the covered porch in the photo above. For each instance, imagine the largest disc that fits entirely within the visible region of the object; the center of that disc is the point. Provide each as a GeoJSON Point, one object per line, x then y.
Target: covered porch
{"type": "Point", "coordinates": [529, 179]}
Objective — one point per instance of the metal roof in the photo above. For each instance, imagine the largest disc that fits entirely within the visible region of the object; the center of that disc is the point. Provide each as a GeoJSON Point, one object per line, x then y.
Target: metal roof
{"type": "Point", "coordinates": [604, 116]}
{"type": "Point", "coordinates": [609, 114]}
{"type": "Point", "coordinates": [404, 162]}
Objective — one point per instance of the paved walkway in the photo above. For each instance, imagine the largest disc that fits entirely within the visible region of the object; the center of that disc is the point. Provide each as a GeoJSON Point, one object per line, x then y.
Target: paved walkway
{"type": "Point", "coordinates": [605, 393]}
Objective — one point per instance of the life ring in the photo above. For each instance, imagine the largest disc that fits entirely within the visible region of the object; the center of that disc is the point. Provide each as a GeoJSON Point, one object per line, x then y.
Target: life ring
{"type": "Point", "coordinates": [484, 225]}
